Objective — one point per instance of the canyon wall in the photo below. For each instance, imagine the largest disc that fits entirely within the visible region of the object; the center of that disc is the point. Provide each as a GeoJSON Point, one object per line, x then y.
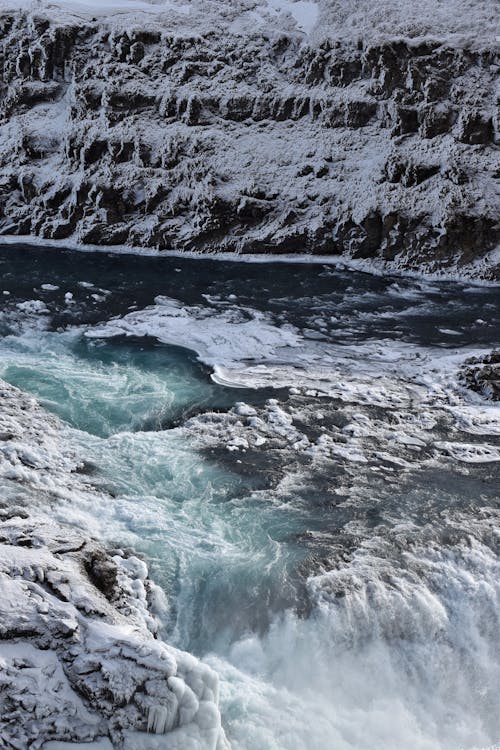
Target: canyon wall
{"type": "Point", "coordinates": [133, 130]}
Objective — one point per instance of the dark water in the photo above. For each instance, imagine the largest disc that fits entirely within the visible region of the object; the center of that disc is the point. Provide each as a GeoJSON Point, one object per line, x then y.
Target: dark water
{"type": "Point", "coordinates": [364, 306]}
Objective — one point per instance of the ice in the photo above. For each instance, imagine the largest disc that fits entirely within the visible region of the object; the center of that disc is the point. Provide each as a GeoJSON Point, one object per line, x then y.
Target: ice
{"type": "Point", "coordinates": [230, 336]}
{"type": "Point", "coordinates": [399, 579]}
{"type": "Point", "coordinates": [161, 718]}
{"type": "Point", "coordinates": [247, 348]}
{"type": "Point", "coordinates": [78, 636]}
{"type": "Point", "coordinates": [470, 453]}
{"type": "Point", "coordinates": [33, 306]}
{"type": "Point", "coordinates": [479, 419]}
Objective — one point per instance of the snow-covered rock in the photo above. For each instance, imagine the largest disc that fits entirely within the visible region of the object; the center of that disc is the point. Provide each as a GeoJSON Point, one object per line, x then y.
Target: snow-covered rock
{"type": "Point", "coordinates": [265, 126]}
{"type": "Point", "coordinates": [80, 656]}
{"type": "Point", "coordinates": [482, 374]}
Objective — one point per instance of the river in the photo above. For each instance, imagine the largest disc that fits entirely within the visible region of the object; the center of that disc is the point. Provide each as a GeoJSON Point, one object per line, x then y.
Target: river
{"type": "Point", "coordinates": [291, 449]}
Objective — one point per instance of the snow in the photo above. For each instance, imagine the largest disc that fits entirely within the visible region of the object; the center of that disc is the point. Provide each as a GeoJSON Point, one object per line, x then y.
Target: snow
{"type": "Point", "coordinates": [102, 744]}
{"type": "Point", "coordinates": [283, 157]}
{"type": "Point", "coordinates": [470, 453]}
{"type": "Point", "coordinates": [96, 8]}
{"type": "Point", "coordinates": [304, 12]}
{"type": "Point", "coordinates": [354, 17]}
{"type": "Point", "coordinates": [72, 654]}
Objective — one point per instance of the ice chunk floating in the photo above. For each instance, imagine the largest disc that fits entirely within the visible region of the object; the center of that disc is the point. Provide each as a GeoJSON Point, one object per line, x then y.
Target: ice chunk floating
{"type": "Point", "coordinates": [294, 452]}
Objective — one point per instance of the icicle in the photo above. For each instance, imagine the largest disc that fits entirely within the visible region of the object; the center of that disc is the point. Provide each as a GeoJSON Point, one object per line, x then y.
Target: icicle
{"type": "Point", "coordinates": [157, 719]}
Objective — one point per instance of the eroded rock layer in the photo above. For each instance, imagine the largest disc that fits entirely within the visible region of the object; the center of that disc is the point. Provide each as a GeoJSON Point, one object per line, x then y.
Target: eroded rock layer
{"type": "Point", "coordinates": [139, 133]}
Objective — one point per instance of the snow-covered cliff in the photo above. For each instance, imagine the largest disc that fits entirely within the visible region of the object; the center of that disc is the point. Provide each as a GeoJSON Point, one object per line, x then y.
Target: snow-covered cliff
{"type": "Point", "coordinates": [256, 126]}
{"type": "Point", "coordinates": [80, 660]}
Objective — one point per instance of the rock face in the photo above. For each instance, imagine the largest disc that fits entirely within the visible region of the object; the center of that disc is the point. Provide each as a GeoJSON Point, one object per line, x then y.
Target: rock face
{"type": "Point", "coordinates": [224, 138]}
{"type": "Point", "coordinates": [483, 375]}
{"type": "Point", "coordinates": [80, 656]}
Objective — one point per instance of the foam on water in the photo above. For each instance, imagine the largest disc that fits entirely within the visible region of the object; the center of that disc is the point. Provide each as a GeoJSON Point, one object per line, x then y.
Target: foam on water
{"type": "Point", "coordinates": [400, 647]}
{"type": "Point", "coordinates": [397, 662]}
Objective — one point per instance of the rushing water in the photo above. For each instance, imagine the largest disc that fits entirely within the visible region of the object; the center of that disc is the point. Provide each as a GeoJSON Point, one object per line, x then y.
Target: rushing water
{"type": "Point", "coordinates": [323, 518]}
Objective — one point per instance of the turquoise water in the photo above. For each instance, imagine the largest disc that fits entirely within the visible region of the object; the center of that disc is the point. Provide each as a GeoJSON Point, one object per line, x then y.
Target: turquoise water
{"type": "Point", "coordinates": [122, 398]}
{"type": "Point", "coordinates": [344, 605]}
{"type": "Point", "coordinates": [107, 387]}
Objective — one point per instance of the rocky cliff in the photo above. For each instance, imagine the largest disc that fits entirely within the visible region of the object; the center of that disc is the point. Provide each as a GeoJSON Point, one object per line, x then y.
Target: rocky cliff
{"type": "Point", "coordinates": [151, 130]}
